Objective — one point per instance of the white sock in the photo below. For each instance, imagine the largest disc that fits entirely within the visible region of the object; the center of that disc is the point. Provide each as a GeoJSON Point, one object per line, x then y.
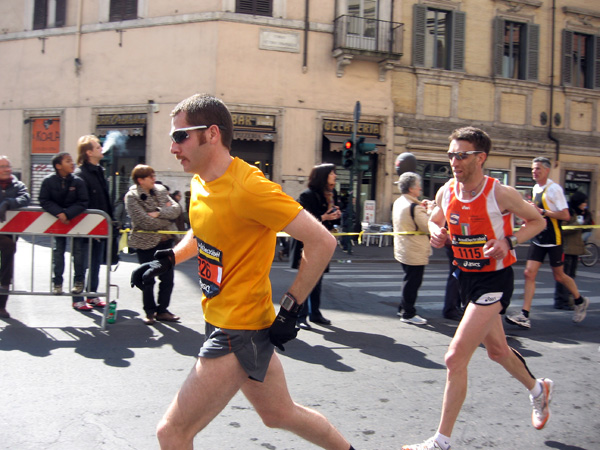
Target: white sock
{"type": "Point", "coordinates": [537, 389]}
{"type": "Point", "coordinates": [443, 441]}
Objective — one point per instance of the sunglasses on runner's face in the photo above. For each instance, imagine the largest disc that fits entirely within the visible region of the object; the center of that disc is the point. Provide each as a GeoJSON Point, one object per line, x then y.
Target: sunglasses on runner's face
{"type": "Point", "coordinates": [461, 155]}
{"type": "Point", "coordinates": [179, 135]}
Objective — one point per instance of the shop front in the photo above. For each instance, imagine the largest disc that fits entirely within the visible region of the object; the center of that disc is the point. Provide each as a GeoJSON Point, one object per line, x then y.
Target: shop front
{"type": "Point", "coordinates": [335, 133]}
{"type": "Point", "coordinates": [123, 138]}
{"type": "Point", "coordinates": [254, 137]}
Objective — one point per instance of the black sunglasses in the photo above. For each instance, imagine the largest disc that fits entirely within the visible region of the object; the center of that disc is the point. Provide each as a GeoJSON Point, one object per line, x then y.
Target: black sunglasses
{"type": "Point", "coordinates": [461, 155]}
{"type": "Point", "coordinates": [179, 135]}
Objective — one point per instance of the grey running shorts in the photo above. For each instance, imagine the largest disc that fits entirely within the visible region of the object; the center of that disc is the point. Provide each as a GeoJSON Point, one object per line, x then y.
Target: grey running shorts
{"type": "Point", "coordinates": [252, 348]}
{"type": "Point", "coordinates": [486, 288]}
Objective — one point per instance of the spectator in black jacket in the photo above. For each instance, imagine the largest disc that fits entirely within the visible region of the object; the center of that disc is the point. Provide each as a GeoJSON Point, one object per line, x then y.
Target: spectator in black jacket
{"type": "Point", "coordinates": [321, 200]}
{"type": "Point", "coordinates": [89, 155]}
{"type": "Point", "coordinates": [13, 195]}
{"type": "Point", "coordinates": [65, 196]}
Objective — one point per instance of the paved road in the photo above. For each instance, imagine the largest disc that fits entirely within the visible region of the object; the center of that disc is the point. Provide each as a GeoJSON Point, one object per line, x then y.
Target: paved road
{"type": "Point", "coordinates": [68, 385]}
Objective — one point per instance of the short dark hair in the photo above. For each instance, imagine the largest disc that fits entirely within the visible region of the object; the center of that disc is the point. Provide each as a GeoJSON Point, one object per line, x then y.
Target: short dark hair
{"type": "Point", "coordinates": [141, 171]}
{"type": "Point", "coordinates": [58, 159]}
{"type": "Point", "coordinates": [543, 161]}
{"type": "Point", "coordinates": [479, 138]}
{"type": "Point", "coordinates": [205, 109]}
{"type": "Point", "coordinates": [317, 180]}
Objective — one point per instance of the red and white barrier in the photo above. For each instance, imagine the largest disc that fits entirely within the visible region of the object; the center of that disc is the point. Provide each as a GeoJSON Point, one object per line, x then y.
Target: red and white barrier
{"type": "Point", "coordinates": [40, 222]}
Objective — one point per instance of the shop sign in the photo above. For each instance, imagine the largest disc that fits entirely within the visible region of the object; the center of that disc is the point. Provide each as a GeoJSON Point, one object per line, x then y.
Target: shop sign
{"type": "Point", "coordinates": [577, 176]}
{"type": "Point", "coordinates": [345, 127]}
{"type": "Point", "coordinates": [253, 121]}
{"type": "Point", "coordinates": [121, 119]}
{"type": "Point", "coordinates": [45, 135]}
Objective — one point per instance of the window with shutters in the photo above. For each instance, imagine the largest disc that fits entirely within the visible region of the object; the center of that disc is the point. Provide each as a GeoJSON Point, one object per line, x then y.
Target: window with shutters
{"type": "Point", "coordinates": [123, 10]}
{"type": "Point", "coordinates": [581, 60]}
{"type": "Point", "coordinates": [438, 38]}
{"type": "Point", "coordinates": [255, 7]}
{"type": "Point", "coordinates": [45, 17]}
{"type": "Point", "coordinates": [516, 47]}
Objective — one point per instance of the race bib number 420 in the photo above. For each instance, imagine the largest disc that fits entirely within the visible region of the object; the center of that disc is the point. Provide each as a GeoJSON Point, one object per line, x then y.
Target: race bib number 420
{"type": "Point", "coordinates": [210, 268]}
{"type": "Point", "coordinates": [468, 251]}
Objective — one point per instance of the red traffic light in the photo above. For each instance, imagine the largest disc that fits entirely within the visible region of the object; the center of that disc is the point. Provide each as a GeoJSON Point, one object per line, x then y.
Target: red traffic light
{"type": "Point", "coordinates": [348, 144]}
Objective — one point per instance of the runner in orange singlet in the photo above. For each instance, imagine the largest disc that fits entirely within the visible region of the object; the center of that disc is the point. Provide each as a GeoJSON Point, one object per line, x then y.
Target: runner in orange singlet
{"type": "Point", "coordinates": [479, 212]}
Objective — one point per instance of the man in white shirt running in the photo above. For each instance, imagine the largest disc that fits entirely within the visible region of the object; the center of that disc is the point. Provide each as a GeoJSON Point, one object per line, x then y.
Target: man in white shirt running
{"type": "Point", "coordinates": [550, 201]}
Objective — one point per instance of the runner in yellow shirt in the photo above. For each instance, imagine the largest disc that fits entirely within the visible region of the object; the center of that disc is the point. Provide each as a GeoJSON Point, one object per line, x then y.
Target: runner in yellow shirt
{"type": "Point", "coordinates": [235, 213]}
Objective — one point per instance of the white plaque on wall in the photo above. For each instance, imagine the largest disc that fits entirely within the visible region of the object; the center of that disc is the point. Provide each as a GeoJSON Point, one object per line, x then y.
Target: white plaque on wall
{"type": "Point", "coordinates": [281, 41]}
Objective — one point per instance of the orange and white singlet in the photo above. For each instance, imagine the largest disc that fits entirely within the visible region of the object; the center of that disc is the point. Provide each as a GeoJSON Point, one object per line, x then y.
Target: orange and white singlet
{"type": "Point", "coordinates": [473, 222]}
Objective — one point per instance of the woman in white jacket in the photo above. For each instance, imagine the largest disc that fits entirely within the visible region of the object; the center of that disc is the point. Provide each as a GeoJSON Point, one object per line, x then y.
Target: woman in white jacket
{"type": "Point", "coordinates": [411, 250]}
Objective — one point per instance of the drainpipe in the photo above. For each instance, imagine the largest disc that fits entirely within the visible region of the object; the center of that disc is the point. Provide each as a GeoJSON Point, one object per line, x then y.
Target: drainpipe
{"type": "Point", "coordinates": [550, 135]}
{"type": "Point", "coordinates": [306, 29]}
{"type": "Point", "coordinates": [78, 37]}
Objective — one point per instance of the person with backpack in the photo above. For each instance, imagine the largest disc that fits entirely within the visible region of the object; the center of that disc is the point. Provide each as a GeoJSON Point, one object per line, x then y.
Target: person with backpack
{"type": "Point", "coordinates": [411, 250]}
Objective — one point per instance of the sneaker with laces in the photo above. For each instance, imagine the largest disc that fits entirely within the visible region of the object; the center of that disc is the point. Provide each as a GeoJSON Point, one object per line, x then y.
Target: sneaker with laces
{"type": "Point", "coordinates": [581, 310]}
{"type": "Point", "coordinates": [415, 320]}
{"type": "Point", "coordinates": [429, 444]}
{"type": "Point", "coordinates": [81, 306]}
{"type": "Point", "coordinates": [57, 289]}
{"type": "Point", "coordinates": [77, 287]}
{"type": "Point", "coordinates": [541, 404]}
{"type": "Point", "coordinates": [97, 302]}
{"type": "Point", "coordinates": [519, 320]}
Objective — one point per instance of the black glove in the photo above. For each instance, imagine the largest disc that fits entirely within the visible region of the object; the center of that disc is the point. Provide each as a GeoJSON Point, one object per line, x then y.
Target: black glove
{"type": "Point", "coordinates": [164, 260]}
{"type": "Point", "coordinates": [283, 329]}
{"type": "Point", "coordinates": [3, 209]}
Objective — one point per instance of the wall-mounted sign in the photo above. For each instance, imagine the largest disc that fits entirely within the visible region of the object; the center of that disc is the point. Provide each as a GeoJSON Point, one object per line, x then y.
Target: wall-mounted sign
{"type": "Point", "coordinates": [45, 135]}
{"type": "Point", "coordinates": [578, 176]}
{"type": "Point", "coordinates": [246, 121]}
{"type": "Point", "coordinates": [121, 119]}
{"type": "Point", "coordinates": [279, 41]}
{"type": "Point", "coordinates": [345, 127]}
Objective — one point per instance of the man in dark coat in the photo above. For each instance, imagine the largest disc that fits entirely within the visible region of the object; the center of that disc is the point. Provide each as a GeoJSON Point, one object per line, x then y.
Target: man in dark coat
{"type": "Point", "coordinates": [65, 196]}
{"type": "Point", "coordinates": [89, 155]}
{"type": "Point", "coordinates": [13, 195]}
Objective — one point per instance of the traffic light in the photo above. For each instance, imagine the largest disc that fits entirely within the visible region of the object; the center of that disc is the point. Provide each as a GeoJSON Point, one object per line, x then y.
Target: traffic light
{"type": "Point", "coordinates": [362, 154]}
{"type": "Point", "coordinates": [348, 154]}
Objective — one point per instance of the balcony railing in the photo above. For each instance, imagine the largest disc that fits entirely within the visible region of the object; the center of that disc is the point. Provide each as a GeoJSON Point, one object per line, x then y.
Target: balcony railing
{"type": "Point", "coordinates": [369, 37]}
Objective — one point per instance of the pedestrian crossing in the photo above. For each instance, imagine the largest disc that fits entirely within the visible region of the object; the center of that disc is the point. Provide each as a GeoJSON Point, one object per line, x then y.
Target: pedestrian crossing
{"type": "Point", "coordinates": [386, 284]}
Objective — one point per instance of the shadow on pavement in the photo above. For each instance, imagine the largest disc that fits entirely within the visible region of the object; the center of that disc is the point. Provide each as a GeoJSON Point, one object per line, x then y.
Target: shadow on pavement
{"type": "Point", "coordinates": [376, 345]}
{"type": "Point", "coordinates": [115, 348]}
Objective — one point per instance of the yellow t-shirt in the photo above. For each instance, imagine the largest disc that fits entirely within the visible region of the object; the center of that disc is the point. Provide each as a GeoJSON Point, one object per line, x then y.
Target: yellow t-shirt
{"type": "Point", "coordinates": [235, 220]}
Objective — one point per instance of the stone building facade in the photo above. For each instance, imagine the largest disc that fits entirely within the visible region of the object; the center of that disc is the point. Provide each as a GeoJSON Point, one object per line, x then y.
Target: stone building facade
{"type": "Point", "coordinates": [292, 72]}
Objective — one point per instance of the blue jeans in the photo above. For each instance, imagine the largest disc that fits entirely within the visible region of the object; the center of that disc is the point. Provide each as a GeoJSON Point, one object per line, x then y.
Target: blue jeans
{"type": "Point", "coordinates": [78, 253]}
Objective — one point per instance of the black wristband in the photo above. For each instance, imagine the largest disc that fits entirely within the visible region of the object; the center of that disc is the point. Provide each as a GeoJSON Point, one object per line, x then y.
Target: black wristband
{"type": "Point", "coordinates": [512, 241]}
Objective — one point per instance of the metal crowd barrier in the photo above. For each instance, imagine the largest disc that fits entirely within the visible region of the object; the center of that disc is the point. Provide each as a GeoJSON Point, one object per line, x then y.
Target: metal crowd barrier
{"type": "Point", "coordinates": [33, 223]}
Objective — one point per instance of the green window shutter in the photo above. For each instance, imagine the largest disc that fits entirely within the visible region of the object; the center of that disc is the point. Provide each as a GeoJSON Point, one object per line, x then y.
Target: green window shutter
{"type": "Point", "coordinates": [459, 19]}
{"type": "Point", "coordinates": [61, 13]}
{"type": "Point", "coordinates": [567, 58]}
{"type": "Point", "coordinates": [498, 53]}
{"type": "Point", "coordinates": [596, 62]}
{"type": "Point", "coordinates": [40, 14]}
{"type": "Point", "coordinates": [419, 30]}
{"type": "Point", "coordinates": [255, 7]}
{"type": "Point", "coordinates": [533, 49]}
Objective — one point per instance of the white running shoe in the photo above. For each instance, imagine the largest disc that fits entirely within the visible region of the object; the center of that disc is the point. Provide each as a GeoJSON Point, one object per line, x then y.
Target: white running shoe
{"type": "Point", "coordinates": [581, 310]}
{"type": "Point", "coordinates": [415, 320]}
{"type": "Point", "coordinates": [519, 320]}
{"type": "Point", "coordinates": [429, 444]}
{"type": "Point", "coordinates": [541, 404]}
